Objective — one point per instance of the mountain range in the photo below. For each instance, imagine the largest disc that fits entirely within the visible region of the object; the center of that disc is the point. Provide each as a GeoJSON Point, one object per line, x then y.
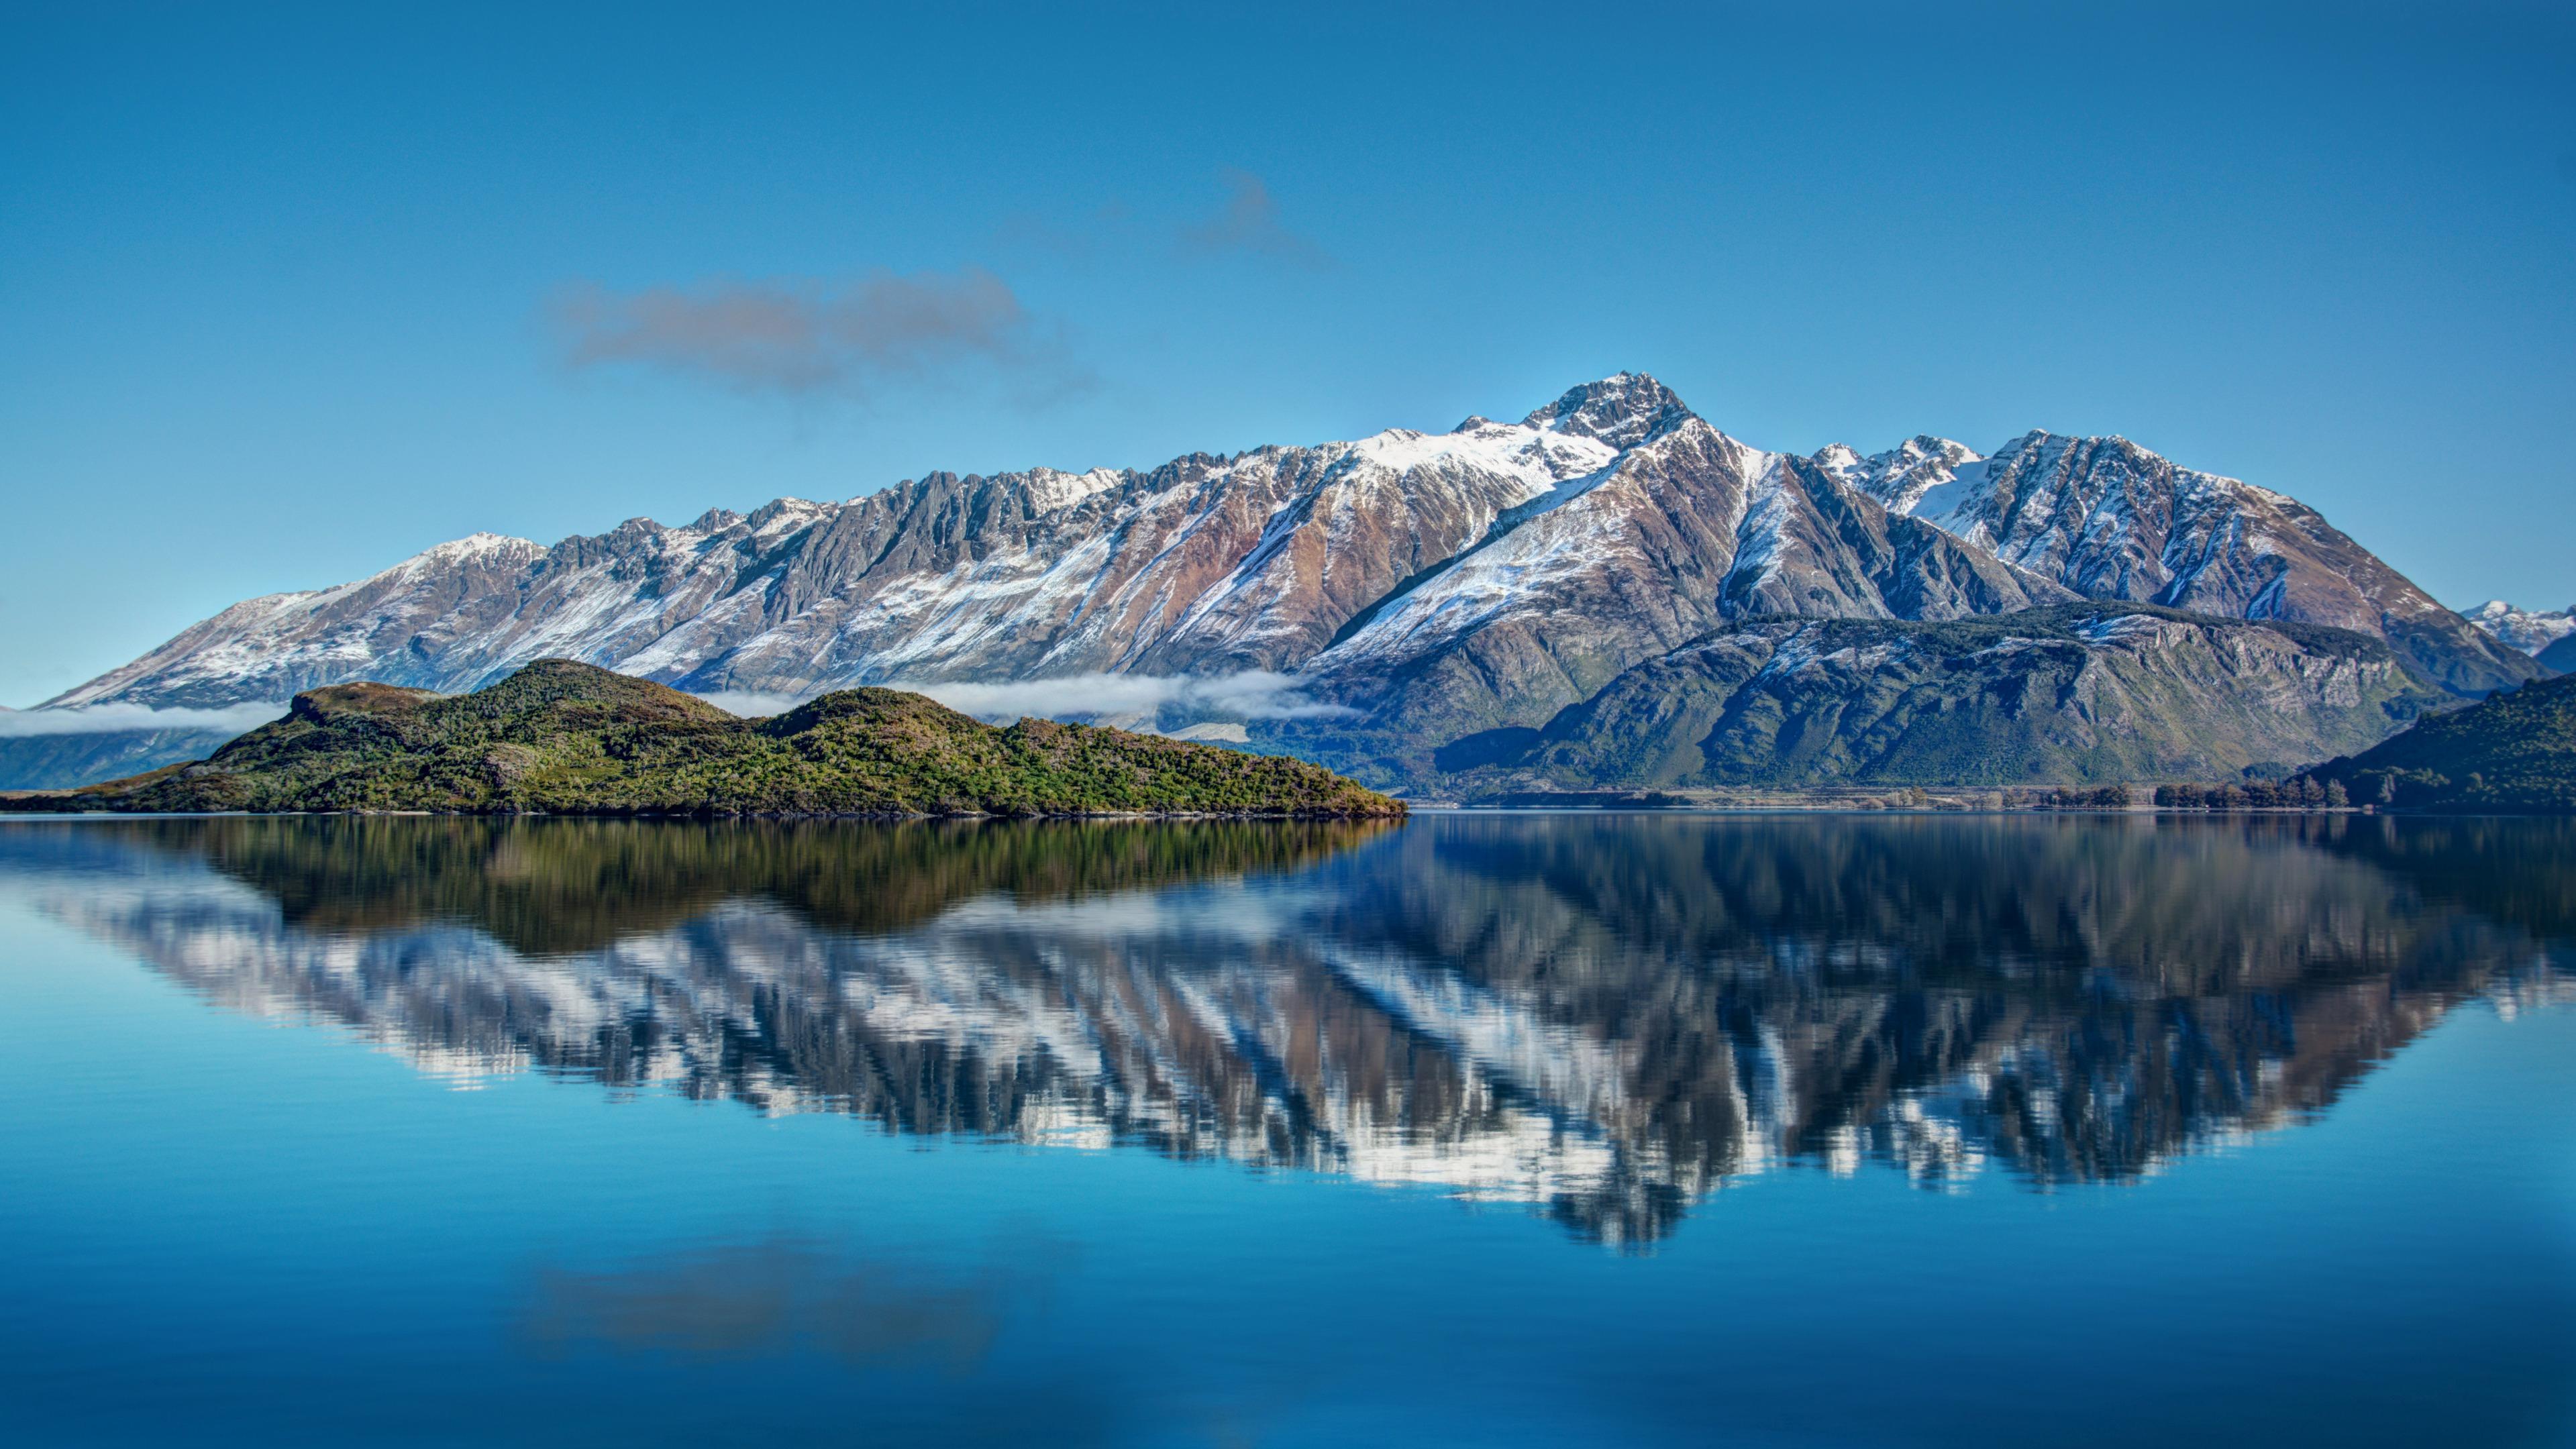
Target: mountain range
{"type": "Point", "coordinates": [1412, 602]}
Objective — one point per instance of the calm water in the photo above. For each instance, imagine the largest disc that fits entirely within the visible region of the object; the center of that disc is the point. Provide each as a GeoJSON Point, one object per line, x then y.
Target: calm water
{"type": "Point", "coordinates": [1482, 1129]}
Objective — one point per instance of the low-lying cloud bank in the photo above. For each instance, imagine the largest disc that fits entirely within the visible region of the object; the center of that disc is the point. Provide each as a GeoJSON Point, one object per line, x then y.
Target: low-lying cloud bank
{"type": "Point", "coordinates": [750, 704]}
{"type": "Point", "coordinates": [1251, 694]}
{"type": "Point", "coordinates": [106, 719]}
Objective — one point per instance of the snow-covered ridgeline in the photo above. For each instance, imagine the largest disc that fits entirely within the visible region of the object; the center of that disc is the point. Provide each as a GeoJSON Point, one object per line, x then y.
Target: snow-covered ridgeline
{"type": "Point", "coordinates": [1251, 560]}
{"type": "Point", "coordinates": [2529, 630]}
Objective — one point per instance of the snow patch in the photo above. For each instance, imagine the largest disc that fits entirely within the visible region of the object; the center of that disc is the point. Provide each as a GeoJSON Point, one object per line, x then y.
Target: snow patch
{"type": "Point", "coordinates": [1943, 504]}
{"type": "Point", "coordinates": [1052, 490]}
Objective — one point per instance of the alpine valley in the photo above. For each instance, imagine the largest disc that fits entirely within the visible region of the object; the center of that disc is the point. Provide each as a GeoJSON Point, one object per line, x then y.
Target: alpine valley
{"type": "Point", "coordinates": [1608, 593]}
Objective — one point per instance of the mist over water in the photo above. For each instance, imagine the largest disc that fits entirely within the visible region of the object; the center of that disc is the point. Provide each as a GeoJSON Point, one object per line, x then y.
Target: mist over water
{"type": "Point", "coordinates": [1591, 1026]}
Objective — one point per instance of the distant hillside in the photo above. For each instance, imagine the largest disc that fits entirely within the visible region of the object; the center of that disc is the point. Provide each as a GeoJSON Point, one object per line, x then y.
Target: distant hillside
{"type": "Point", "coordinates": [2085, 693]}
{"type": "Point", "coordinates": [2511, 752]}
{"type": "Point", "coordinates": [63, 761]}
{"type": "Point", "coordinates": [560, 737]}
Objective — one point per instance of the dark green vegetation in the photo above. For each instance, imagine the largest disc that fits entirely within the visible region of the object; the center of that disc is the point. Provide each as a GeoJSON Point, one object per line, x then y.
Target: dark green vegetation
{"type": "Point", "coordinates": [2300, 794]}
{"type": "Point", "coordinates": [565, 738]}
{"type": "Point", "coordinates": [2073, 695]}
{"type": "Point", "coordinates": [2510, 752]}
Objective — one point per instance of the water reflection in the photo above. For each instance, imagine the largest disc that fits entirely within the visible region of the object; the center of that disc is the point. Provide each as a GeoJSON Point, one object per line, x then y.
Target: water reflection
{"type": "Point", "coordinates": [750, 1300]}
{"type": "Point", "coordinates": [1601, 1017]}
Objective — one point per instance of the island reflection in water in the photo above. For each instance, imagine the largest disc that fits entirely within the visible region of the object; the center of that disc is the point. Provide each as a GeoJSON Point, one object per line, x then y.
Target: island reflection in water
{"type": "Point", "coordinates": [1603, 1017]}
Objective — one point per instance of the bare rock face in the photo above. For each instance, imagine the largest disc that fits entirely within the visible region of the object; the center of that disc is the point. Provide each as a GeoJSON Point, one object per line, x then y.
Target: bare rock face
{"type": "Point", "coordinates": [1418, 587]}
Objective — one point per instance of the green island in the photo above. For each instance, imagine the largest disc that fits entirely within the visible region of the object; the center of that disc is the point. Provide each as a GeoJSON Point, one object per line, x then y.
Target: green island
{"type": "Point", "coordinates": [564, 738]}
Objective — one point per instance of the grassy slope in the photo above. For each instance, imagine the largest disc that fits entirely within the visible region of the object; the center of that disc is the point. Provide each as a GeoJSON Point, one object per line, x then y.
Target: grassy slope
{"type": "Point", "coordinates": [566, 738]}
{"type": "Point", "coordinates": [2513, 751]}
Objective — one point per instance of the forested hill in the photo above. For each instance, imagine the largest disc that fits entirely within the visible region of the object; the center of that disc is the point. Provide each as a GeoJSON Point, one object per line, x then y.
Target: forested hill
{"type": "Point", "coordinates": [2510, 752]}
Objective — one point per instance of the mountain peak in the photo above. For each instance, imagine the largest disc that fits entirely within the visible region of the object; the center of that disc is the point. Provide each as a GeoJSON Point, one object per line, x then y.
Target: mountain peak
{"type": "Point", "coordinates": [475, 550]}
{"type": "Point", "coordinates": [1622, 411]}
{"type": "Point", "coordinates": [2533, 631]}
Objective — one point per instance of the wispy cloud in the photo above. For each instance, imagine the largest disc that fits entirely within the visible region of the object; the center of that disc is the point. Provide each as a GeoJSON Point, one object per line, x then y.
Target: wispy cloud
{"type": "Point", "coordinates": [100, 719]}
{"type": "Point", "coordinates": [1251, 694]}
{"type": "Point", "coordinates": [1249, 222]}
{"type": "Point", "coordinates": [808, 337]}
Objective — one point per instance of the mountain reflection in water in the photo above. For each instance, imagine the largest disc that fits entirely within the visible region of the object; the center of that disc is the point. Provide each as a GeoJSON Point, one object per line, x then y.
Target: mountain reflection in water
{"type": "Point", "coordinates": [1603, 1017]}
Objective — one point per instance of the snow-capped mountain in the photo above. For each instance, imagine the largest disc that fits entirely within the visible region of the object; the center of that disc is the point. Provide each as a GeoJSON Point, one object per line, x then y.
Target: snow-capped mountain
{"type": "Point", "coordinates": [1683, 529]}
{"type": "Point", "coordinates": [1203, 565]}
{"type": "Point", "coordinates": [2547, 637]}
{"type": "Point", "coordinates": [1900, 477]}
{"type": "Point", "coordinates": [1436, 584]}
{"type": "Point", "coordinates": [2111, 520]}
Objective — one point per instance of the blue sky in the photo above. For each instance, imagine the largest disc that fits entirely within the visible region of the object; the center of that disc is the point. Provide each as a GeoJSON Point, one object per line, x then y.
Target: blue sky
{"type": "Point", "coordinates": [287, 295]}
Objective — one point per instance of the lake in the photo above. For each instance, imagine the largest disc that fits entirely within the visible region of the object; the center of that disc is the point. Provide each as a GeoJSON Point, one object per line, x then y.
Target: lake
{"type": "Point", "coordinates": [1477, 1129]}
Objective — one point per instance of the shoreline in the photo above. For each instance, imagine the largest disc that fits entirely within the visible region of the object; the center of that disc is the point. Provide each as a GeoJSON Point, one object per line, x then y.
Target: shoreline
{"type": "Point", "coordinates": [1415, 808]}
{"type": "Point", "coordinates": [10, 806]}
